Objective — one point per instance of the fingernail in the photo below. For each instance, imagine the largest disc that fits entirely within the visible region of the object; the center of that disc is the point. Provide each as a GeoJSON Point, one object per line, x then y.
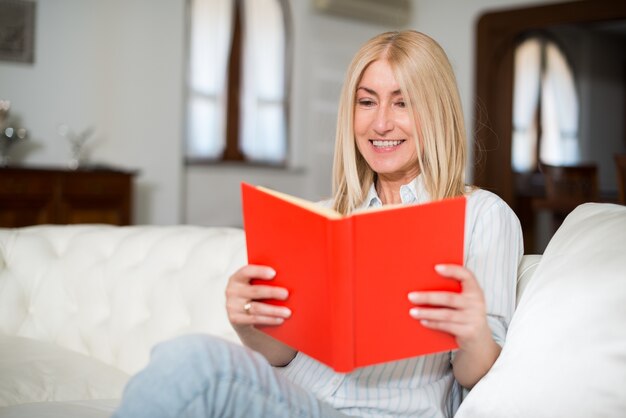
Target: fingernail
{"type": "Point", "coordinates": [414, 312]}
{"type": "Point", "coordinates": [279, 320]}
{"type": "Point", "coordinates": [271, 273]}
{"type": "Point", "coordinates": [440, 268]}
{"type": "Point", "coordinates": [286, 312]}
{"type": "Point", "coordinates": [413, 297]}
{"type": "Point", "coordinates": [283, 293]}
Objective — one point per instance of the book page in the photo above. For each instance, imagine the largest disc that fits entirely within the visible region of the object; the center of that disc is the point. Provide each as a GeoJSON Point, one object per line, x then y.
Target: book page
{"type": "Point", "coordinates": [313, 207]}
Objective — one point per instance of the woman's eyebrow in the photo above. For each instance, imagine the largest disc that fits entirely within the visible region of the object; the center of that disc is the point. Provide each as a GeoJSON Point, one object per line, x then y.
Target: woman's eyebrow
{"type": "Point", "coordinates": [373, 92]}
{"type": "Point", "coordinates": [369, 91]}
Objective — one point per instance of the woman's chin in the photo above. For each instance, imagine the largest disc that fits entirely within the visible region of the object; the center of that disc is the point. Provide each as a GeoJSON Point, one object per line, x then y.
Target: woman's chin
{"type": "Point", "coordinates": [396, 172]}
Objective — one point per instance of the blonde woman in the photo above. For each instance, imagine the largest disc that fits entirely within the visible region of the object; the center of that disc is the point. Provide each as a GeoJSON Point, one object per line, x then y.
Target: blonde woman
{"type": "Point", "coordinates": [400, 139]}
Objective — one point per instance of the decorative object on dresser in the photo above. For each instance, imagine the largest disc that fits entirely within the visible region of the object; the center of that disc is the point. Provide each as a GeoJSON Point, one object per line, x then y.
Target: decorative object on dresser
{"type": "Point", "coordinates": [76, 142]}
{"type": "Point", "coordinates": [31, 196]}
{"type": "Point", "coordinates": [10, 134]}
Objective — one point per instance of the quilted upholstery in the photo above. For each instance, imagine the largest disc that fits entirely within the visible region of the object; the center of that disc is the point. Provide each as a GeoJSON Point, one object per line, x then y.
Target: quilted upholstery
{"type": "Point", "coordinates": [113, 292]}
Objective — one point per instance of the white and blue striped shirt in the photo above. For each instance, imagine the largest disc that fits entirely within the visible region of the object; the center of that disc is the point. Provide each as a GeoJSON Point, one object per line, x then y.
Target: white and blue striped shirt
{"type": "Point", "coordinates": [424, 386]}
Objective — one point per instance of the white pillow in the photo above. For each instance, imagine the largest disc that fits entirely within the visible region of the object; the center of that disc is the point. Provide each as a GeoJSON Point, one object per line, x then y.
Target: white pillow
{"type": "Point", "coordinates": [565, 352]}
{"type": "Point", "coordinates": [36, 371]}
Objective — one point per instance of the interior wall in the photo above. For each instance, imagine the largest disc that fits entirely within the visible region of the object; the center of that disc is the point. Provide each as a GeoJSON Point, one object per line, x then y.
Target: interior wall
{"type": "Point", "coordinates": [118, 66]}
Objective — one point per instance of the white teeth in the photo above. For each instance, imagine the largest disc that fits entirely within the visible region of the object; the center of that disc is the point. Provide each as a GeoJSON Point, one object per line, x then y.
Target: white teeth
{"type": "Point", "coordinates": [385, 144]}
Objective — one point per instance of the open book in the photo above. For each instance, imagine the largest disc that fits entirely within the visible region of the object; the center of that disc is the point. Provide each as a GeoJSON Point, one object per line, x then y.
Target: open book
{"type": "Point", "coordinates": [349, 276]}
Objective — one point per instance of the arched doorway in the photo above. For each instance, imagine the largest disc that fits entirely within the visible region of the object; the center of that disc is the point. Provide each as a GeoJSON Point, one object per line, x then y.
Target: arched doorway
{"type": "Point", "coordinates": [497, 35]}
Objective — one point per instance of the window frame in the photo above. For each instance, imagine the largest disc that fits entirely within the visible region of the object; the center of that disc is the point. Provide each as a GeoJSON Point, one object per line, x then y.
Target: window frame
{"type": "Point", "coordinates": [232, 154]}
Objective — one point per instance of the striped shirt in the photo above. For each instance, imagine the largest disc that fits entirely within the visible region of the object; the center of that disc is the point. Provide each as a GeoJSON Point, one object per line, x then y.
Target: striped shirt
{"type": "Point", "coordinates": [424, 386]}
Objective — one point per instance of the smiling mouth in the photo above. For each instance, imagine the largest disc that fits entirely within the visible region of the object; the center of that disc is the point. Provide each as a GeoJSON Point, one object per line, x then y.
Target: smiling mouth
{"type": "Point", "coordinates": [386, 143]}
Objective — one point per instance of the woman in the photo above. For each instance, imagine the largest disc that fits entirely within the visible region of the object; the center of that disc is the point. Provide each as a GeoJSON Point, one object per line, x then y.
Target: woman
{"type": "Point", "coordinates": [400, 139]}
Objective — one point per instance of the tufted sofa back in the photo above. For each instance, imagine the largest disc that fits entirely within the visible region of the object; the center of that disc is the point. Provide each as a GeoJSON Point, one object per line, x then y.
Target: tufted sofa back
{"type": "Point", "coordinates": [113, 292]}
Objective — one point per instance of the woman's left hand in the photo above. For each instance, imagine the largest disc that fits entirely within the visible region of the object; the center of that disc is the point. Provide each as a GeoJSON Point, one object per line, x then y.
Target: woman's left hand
{"type": "Point", "coordinates": [460, 314]}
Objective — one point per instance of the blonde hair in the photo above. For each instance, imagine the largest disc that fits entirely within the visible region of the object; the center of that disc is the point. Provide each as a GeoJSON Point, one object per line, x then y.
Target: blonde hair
{"type": "Point", "coordinates": [429, 89]}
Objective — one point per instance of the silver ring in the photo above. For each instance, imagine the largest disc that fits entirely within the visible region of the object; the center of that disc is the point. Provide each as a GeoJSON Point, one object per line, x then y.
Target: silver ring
{"type": "Point", "coordinates": [246, 307]}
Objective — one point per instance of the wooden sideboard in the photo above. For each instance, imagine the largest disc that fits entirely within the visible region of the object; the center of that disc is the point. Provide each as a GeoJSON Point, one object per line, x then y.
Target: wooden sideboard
{"type": "Point", "coordinates": [32, 196]}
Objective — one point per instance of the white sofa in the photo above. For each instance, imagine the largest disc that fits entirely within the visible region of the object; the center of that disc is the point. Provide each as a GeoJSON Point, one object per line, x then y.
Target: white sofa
{"type": "Point", "coordinates": [81, 306]}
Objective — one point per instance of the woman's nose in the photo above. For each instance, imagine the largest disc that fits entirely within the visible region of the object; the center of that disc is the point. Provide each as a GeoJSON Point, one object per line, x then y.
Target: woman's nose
{"type": "Point", "coordinates": [383, 122]}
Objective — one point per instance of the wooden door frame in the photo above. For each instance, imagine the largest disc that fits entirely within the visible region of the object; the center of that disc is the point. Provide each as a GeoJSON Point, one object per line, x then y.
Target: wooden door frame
{"type": "Point", "coordinates": [496, 36]}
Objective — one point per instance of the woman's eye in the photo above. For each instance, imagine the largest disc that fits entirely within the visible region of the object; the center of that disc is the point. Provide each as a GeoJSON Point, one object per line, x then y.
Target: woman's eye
{"type": "Point", "coordinates": [401, 104]}
{"type": "Point", "coordinates": [366, 102]}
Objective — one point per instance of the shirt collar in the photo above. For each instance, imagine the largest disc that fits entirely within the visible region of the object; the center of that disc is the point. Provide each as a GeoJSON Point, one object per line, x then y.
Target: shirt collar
{"type": "Point", "coordinates": [413, 192]}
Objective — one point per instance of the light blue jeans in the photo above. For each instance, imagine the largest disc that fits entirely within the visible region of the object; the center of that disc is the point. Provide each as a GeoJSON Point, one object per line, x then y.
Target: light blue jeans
{"type": "Point", "coordinates": [204, 376]}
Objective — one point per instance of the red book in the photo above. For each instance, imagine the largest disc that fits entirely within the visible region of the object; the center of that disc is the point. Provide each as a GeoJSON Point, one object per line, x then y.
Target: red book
{"type": "Point", "coordinates": [348, 276]}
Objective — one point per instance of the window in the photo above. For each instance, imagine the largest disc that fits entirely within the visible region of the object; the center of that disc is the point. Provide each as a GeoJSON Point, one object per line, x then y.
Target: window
{"type": "Point", "coordinates": [545, 107]}
{"type": "Point", "coordinates": [237, 83]}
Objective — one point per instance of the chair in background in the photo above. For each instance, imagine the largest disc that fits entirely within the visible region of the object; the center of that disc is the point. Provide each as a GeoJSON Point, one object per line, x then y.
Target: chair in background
{"type": "Point", "coordinates": [620, 164]}
{"type": "Point", "coordinates": [566, 187]}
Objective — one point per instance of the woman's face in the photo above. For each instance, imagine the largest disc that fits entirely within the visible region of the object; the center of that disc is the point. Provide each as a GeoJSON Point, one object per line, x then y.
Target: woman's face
{"type": "Point", "coordinates": [382, 125]}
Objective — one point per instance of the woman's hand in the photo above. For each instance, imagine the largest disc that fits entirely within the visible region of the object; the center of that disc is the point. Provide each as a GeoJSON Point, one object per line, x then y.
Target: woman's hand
{"type": "Point", "coordinates": [460, 314]}
{"type": "Point", "coordinates": [244, 301]}
{"type": "Point", "coordinates": [245, 308]}
{"type": "Point", "coordinates": [463, 315]}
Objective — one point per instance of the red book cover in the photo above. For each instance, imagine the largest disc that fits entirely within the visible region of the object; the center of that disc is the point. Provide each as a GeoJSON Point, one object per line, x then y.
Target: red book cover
{"type": "Point", "coordinates": [348, 276]}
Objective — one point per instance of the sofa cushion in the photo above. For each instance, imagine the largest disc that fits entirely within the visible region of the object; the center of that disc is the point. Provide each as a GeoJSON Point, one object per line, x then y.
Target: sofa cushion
{"type": "Point", "coordinates": [36, 371]}
{"type": "Point", "coordinates": [565, 353]}
{"type": "Point", "coordinates": [98, 408]}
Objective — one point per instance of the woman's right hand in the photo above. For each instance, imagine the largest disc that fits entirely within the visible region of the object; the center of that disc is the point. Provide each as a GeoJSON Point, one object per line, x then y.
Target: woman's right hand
{"type": "Point", "coordinates": [240, 292]}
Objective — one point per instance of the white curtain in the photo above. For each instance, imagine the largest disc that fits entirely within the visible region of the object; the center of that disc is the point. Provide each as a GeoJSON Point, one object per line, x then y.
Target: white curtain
{"type": "Point", "coordinates": [210, 38]}
{"type": "Point", "coordinates": [559, 118]}
{"type": "Point", "coordinates": [525, 101]}
{"type": "Point", "coordinates": [263, 99]}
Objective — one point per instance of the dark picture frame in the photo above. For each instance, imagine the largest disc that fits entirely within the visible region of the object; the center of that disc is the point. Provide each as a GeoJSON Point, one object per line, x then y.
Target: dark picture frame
{"type": "Point", "coordinates": [17, 31]}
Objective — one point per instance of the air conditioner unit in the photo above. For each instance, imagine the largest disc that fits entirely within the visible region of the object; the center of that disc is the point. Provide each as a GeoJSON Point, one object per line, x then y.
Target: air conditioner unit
{"type": "Point", "coordinates": [385, 12]}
